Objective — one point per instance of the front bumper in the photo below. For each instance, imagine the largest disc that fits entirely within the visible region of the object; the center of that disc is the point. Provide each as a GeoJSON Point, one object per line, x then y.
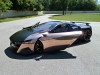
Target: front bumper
{"type": "Point", "coordinates": [23, 48]}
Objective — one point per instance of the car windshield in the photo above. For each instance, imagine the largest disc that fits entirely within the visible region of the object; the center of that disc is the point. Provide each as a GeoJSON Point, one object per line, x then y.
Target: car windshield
{"type": "Point", "coordinates": [44, 26]}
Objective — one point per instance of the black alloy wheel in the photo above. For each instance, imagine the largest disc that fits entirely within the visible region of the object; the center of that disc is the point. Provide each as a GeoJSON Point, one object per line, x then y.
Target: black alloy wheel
{"type": "Point", "coordinates": [38, 47]}
{"type": "Point", "coordinates": [87, 35]}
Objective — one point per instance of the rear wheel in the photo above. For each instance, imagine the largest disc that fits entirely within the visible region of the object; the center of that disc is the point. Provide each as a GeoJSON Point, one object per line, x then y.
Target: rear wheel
{"type": "Point", "coordinates": [87, 35]}
{"type": "Point", "coordinates": [38, 47]}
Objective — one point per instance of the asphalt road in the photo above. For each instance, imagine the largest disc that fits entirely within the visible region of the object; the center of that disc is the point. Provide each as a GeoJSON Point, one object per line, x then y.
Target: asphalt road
{"type": "Point", "coordinates": [80, 59]}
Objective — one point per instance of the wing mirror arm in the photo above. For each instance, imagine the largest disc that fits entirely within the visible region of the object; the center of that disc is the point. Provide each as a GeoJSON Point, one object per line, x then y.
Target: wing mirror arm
{"type": "Point", "coordinates": [45, 34]}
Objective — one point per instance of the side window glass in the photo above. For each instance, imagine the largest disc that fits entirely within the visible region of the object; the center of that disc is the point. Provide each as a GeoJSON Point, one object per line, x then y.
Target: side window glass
{"type": "Point", "coordinates": [56, 29]}
{"type": "Point", "coordinates": [64, 28]}
{"type": "Point", "coordinates": [67, 27]}
{"type": "Point", "coordinates": [61, 28]}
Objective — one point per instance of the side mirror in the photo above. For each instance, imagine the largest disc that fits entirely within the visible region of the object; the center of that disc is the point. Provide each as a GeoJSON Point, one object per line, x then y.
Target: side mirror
{"type": "Point", "coordinates": [45, 34]}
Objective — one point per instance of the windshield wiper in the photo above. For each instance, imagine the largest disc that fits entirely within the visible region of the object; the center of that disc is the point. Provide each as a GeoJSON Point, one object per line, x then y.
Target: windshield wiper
{"type": "Point", "coordinates": [36, 25]}
{"type": "Point", "coordinates": [30, 28]}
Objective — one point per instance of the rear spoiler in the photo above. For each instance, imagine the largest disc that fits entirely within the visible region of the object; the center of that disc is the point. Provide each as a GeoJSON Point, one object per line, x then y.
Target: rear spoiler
{"type": "Point", "coordinates": [80, 22]}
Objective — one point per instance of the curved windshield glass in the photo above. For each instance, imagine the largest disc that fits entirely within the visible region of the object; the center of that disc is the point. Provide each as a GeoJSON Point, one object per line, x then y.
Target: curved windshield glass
{"type": "Point", "coordinates": [44, 26]}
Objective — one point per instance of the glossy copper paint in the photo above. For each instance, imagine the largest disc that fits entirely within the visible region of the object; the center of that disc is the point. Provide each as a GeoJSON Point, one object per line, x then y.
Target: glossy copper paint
{"type": "Point", "coordinates": [51, 45]}
{"type": "Point", "coordinates": [29, 45]}
{"type": "Point", "coordinates": [53, 41]}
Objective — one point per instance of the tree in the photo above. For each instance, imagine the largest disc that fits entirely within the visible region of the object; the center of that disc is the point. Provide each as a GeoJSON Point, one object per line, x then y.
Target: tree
{"type": "Point", "coordinates": [27, 5]}
{"type": "Point", "coordinates": [64, 5]}
{"type": "Point", "coordinates": [73, 4]}
{"type": "Point", "coordinates": [38, 5]}
{"type": "Point", "coordinates": [46, 4]}
{"type": "Point", "coordinates": [85, 5]}
{"type": "Point", "coordinates": [56, 5]}
{"type": "Point", "coordinates": [50, 5]}
{"type": "Point", "coordinates": [23, 4]}
{"type": "Point", "coordinates": [98, 7]}
{"type": "Point", "coordinates": [5, 5]}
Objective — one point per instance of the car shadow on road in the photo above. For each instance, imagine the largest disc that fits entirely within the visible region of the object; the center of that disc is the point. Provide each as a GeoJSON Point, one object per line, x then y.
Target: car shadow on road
{"type": "Point", "coordinates": [52, 55]}
{"type": "Point", "coordinates": [77, 43]}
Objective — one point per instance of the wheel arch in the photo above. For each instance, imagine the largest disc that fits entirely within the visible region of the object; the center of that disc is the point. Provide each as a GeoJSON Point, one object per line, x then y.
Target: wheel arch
{"type": "Point", "coordinates": [39, 39]}
{"type": "Point", "coordinates": [85, 32]}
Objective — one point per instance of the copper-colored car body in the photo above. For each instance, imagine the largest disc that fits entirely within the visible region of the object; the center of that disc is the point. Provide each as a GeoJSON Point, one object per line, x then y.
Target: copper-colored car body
{"type": "Point", "coordinates": [53, 38]}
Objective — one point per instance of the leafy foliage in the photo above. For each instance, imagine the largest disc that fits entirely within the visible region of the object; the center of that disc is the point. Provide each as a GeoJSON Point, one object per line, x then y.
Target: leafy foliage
{"type": "Point", "coordinates": [23, 4]}
{"type": "Point", "coordinates": [48, 5]}
{"type": "Point", "coordinates": [85, 5]}
{"type": "Point", "coordinates": [69, 4]}
{"type": "Point", "coordinates": [38, 5]}
{"type": "Point", "coordinates": [27, 5]}
{"type": "Point", "coordinates": [65, 5]}
{"type": "Point", "coordinates": [98, 7]}
{"type": "Point", "coordinates": [5, 5]}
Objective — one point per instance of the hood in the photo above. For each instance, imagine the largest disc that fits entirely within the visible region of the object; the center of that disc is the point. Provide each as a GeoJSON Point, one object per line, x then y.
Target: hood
{"type": "Point", "coordinates": [21, 35]}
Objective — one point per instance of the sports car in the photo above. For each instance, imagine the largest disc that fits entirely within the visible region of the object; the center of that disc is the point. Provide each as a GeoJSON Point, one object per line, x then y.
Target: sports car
{"type": "Point", "coordinates": [49, 36]}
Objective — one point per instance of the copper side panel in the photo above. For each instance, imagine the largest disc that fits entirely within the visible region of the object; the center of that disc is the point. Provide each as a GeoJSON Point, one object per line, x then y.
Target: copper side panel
{"type": "Point", "coordinates": [51, 45]}
{"type": "Point", "coordinates": [29, 45]}
{"type": "Point", "coordinates": [52, 41]}
{"type": "Point", "coordinates": [56, 41]}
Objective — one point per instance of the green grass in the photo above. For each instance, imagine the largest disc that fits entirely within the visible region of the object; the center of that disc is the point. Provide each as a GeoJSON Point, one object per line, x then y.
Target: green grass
{"type": "Point", "coordinates": [78, 17]}
{"type": "Point", "coordinates": [15, 18]}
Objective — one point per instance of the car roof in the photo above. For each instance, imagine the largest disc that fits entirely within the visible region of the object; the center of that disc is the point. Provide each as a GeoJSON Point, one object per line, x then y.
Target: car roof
{"type": "Point", "coordinates": [57, 22]}
{"type": "Point", "coordinates": [49, 25]}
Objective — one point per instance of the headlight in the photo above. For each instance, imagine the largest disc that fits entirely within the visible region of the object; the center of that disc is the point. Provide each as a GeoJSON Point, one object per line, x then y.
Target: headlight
{"type": "Point", "coordinates": [13, 45]}
{"type": "Point", "coordinates": [18, 44]}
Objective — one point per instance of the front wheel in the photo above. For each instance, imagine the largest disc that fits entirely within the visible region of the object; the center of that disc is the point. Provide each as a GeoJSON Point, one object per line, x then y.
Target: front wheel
{"type": "Point", "coordinates": [87, 35]}
{"type": "Point", "coordinates": [38, 47]}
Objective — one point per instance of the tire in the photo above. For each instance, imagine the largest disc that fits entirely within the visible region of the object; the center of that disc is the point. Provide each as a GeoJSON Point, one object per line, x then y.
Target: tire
{"type": "Point", "coordinates": [87, 35]}
{"type": "Point", "coordinates": [38, 48]}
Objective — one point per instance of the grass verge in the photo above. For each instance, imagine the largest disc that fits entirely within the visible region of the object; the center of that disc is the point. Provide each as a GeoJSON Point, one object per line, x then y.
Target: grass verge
{"type": "Point", "coordinates": [78, 17]}
{"type": "Point", "coordinates": [15, 18]}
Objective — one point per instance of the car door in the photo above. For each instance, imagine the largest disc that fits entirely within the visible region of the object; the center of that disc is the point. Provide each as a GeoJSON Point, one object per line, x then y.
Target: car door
{"type": "Point", "coordinates": [59, 36]}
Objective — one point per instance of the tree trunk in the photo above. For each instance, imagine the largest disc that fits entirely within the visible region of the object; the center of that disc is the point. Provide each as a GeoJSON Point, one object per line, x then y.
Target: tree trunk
{"type": "Point", "coordinates": [63, 12]}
